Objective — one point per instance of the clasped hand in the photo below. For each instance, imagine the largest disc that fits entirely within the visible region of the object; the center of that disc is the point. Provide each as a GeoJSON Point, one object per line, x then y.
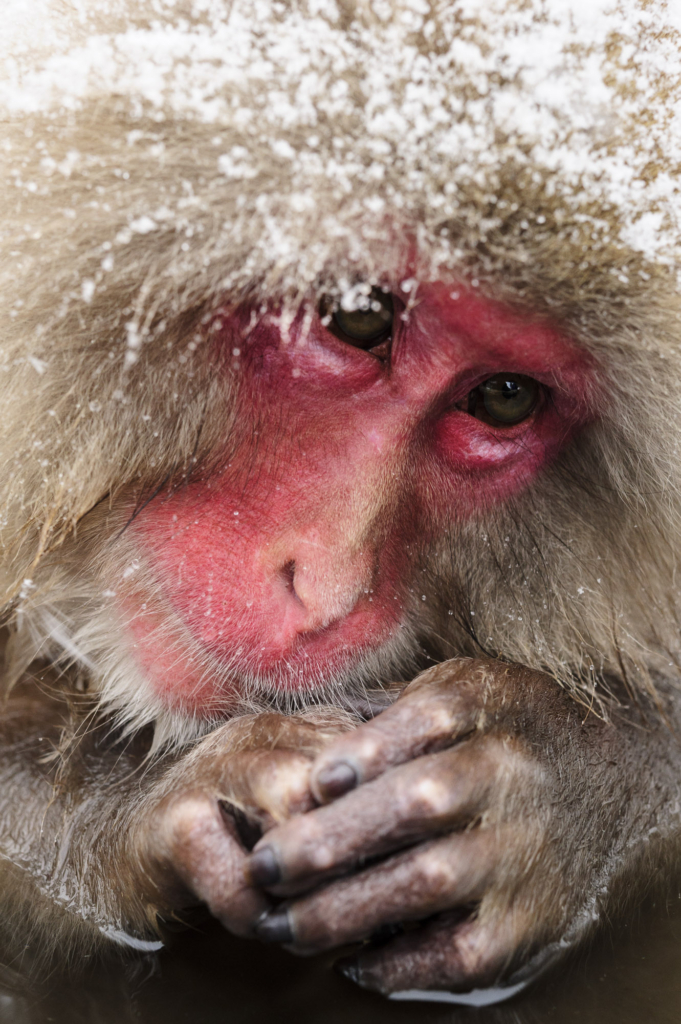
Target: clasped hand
{"type": "Point", "coordinates": [439, 826]}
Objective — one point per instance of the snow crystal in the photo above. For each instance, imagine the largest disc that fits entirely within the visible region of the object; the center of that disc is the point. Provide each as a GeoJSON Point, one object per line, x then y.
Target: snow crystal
{"type": "Point", "coordinates": [143, 225]}
{"type": "Point", "coordinates": [39, 365]}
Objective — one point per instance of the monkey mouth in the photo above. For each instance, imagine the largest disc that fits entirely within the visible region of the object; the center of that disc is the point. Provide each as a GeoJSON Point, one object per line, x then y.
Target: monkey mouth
{"type": "Point", "coordinates": [204, 671]}
{"type": "Point", "coordinates": [344, 655]}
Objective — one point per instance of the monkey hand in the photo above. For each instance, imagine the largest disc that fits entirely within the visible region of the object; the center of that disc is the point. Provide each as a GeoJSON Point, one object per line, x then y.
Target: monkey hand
{"type": "Point", "coordinates": [470, 829]}
{"type": "Point", "coordinates": [189, 840]}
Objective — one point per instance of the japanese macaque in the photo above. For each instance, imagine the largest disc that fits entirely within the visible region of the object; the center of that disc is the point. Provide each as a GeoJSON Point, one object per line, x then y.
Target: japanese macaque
{"type": "Point", "coordinates": [340, 498]}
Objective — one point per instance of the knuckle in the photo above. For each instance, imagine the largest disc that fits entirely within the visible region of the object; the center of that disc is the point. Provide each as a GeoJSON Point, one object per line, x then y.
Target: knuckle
{"type": "Point", "coordinates": [362, 745]}
{"type": "Point", "coordinates": [500, 755]}
{"type": "Point", "coordinates": [362, 750]}
{"type": "Point", "coordinates": [477, 963]}
{"type": "Point", "coordinates": [448, 693]}
{"type": "Point", "coordinates": [427, 797]}
{"type": "Point", "coordinates": [511, 760]}
{"type": "Point", "coordinates": [435, 871]}
{"type": "Point", "coordinates": [442, 718]}
{"type": "Point", "coordinates": [321, 857]}
{"type": "Point", "coordinates": [369, 745]}
{"type": "Point", "coordinates": [186, 817]}
{"type": "Point", "coordinates": [283, 781]}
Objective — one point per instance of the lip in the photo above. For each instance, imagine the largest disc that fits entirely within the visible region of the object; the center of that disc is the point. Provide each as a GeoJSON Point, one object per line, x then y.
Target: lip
{"type": "Point", "coordinates": [181, 674]}
{"type": "Point", "coordinates": [326, 650]}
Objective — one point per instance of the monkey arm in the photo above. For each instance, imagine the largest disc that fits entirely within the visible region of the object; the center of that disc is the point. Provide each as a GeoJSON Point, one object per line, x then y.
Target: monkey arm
{"type": "Point", "coordinates": [98, 845]}
{"type": "Point", "coordinates": [65, 813]}
{"type": "Point", "coordinates": [500, 821]}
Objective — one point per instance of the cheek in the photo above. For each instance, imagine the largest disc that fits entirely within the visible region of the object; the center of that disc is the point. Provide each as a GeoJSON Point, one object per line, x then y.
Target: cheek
{"type": "Point", "coordinates": [199, 541]}
{"type": "Point", "coordinates": [180, 673]}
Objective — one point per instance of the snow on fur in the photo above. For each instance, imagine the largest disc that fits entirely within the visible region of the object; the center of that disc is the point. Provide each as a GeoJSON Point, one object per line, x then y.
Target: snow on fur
{"type": "Point", "coordinates": [584, 90]}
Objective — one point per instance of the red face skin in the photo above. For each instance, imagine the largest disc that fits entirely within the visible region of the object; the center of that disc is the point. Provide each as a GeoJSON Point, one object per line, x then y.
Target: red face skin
{"type": "Point", "coordinates": [293, 562]}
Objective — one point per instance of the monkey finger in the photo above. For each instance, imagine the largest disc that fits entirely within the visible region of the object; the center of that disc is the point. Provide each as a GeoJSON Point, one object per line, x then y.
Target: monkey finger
{"type": "Point", "coordinates": [432, 794]}
{"type": "Point", "coordinates": [307, 734]}
{"type": "Point", "coordinates": [199, 845]}
{"type": "Point", "coordinates": [440, 707]}
{"type": "Point", "coordinates": [429, 878]}
{"type": "Point", "coordinates": [446, 955]}
{"type": "Point", "coordinates": [268, 785]}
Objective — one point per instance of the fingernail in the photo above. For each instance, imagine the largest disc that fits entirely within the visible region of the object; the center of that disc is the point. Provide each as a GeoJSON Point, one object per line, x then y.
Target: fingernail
{"type": "Point", "coordinates": [349, 968]}
{"type": "Point", "coordinates": [263, 867]}
{"type": "Point", "coordinates": [339, 778]}
{"type": "Point", "coordinates": [275, 926]}
{"type": "Point", "coordinates": [362, 975]}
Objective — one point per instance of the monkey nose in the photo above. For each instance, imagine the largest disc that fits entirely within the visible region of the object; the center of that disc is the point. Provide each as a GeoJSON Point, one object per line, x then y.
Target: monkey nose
{"type": "Point", "coordinates": [317, 593]}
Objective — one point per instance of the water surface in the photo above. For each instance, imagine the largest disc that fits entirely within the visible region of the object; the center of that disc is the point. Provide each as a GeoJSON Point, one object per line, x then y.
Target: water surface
{"type": "Point", "coordinates": [209, 978]}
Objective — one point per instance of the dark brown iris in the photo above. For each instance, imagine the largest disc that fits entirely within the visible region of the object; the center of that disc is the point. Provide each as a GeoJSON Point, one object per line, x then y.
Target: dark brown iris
{"type": "Point", "coordinates": [367, 326]}
{"type": "Point", "coordinates": [504, 399]}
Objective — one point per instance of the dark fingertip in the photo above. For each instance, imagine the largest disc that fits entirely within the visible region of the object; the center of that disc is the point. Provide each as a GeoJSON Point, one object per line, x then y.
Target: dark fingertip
{"type": "Point", "coordinates": [275, 926]}
{"type": "Point", "coordinates": [263, 867]}
{"type": "Point", "coordinates": [337, 779]}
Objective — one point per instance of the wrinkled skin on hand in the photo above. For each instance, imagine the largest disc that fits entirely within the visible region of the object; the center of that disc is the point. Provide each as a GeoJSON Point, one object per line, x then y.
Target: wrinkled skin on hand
{"type": "Point", "coordinates": [485, 810]}
{"type": "Point", "coordinates": [191, 836]}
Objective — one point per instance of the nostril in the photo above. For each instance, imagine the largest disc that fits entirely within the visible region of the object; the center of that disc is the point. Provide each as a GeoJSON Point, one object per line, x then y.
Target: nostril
{"type": "Point", "coordinates": [288, 575]}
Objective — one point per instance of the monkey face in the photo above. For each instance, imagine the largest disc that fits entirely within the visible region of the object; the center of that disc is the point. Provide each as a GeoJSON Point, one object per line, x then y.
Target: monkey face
{"type": "Point", "coordinates": [366, 434]}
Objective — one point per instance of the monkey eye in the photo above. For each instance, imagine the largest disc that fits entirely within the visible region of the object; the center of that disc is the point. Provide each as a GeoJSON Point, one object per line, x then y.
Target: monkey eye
{"type": "Point", "coordinates": [368, 325]}
{"type": "Point", "coordinates": [505, 399]}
